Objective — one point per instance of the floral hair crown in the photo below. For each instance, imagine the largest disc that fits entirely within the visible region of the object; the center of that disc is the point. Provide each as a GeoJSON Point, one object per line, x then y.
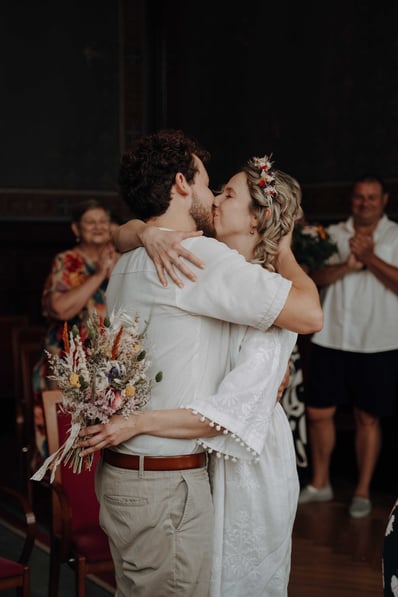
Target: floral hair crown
{"type": "Point", "coordinates": [267, 177]}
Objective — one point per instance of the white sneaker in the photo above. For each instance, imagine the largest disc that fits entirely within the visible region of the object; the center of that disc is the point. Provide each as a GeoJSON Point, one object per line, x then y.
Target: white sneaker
{"type": "Point", "coordinates": [360, 507]}
{"type": "Point", "coordinates": [312, 494]}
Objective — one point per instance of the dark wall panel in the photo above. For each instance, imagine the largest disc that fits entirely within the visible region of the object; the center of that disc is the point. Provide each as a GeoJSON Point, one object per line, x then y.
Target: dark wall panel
{"type": "Point", "coordinates": [314, 83]}
{"type": "Point", "coordinates": [59, 98]}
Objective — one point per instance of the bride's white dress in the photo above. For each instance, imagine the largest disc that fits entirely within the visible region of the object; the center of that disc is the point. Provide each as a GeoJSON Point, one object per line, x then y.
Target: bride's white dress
{"type": "Point", "coordinates": [253, 469]}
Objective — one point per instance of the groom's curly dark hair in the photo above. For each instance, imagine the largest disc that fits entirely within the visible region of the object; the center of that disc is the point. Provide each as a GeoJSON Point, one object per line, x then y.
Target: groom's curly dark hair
{"type": "Point", "coordinates": [148, 170]}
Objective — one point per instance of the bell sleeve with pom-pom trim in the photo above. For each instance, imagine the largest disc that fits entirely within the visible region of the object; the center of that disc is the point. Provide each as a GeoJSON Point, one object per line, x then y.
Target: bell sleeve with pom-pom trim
{"type": "Point", "coordinates": [247, 396]}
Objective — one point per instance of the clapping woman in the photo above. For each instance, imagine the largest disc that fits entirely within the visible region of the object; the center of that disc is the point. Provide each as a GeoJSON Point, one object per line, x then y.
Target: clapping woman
{"type": "Point", "coordinates": [75, 285]}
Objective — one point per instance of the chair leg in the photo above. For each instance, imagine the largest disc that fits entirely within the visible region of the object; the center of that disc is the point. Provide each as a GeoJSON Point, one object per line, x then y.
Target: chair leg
{"type": "Point", "coordinates": [81, 573]}
{"type": "Point", "coordinates": [26, 583]}
{"type": "Point", "coordinates": [55, 569]}
{"type": "Point", "coordinates": [24, 591]}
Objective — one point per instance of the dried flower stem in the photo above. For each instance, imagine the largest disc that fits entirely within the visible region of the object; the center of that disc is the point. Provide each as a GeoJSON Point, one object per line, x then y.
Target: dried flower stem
{"type": "Point", "coordinates": [65, 338]}
{"type": "Point", "coordinates": [116, 343]}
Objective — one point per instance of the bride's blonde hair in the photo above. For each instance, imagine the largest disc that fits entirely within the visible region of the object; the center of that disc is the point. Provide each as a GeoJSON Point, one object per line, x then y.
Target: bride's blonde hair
{"type": "Point", "coordinates": [284, 203]}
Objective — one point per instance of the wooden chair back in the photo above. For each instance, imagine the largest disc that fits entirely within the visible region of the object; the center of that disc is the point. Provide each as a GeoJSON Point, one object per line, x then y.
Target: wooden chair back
{"type": "Point", "coordinates": [27, 345]}
{"type": "Point", "coordinates": [21, 335]}
{"type": "Point", "coordinates": [7, 374]}
{"type": "Point", "coordinates": [76, 536]}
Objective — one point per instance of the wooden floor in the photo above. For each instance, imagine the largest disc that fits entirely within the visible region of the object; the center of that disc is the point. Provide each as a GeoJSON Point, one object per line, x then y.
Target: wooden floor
{"type": "Point", "coordinates": [335, 555]}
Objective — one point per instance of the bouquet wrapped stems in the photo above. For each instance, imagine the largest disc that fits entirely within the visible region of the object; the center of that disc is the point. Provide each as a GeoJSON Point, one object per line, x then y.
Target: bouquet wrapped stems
{"type": "Point", "coordinates": [68, 452]}
{"type": "Point", "coordinates": [73, 458]}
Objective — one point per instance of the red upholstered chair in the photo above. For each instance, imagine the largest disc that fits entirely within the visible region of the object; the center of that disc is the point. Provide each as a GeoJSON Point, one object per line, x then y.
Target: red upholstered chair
{"type": "Point", "coordinates": [16, 573]}
{"type": "Point", "coordinates": [76, 537]}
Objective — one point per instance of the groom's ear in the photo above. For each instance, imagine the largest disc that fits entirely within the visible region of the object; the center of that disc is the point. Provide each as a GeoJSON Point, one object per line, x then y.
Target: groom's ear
{"type": "Point", "coordinates": [181, 185]}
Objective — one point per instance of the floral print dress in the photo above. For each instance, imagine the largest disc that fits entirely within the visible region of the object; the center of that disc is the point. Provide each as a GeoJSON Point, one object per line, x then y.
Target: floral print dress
{"type": "Point", "coordinates": [293, 404]}
{"type": "Point", "coordinates": [69, 270]}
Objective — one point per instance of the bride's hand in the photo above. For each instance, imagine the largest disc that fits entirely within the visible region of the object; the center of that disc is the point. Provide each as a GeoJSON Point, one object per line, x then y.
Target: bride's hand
{"type": "Point", "coordinates": [167, 253]}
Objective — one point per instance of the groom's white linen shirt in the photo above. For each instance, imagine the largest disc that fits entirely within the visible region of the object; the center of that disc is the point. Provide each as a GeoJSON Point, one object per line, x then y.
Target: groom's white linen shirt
{"type": "Point", "coordinates": [188, 335]}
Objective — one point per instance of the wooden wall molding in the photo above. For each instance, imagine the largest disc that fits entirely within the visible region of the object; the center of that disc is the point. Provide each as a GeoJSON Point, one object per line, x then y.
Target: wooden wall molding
{"type": "Point", "coordinates": [53, 205]}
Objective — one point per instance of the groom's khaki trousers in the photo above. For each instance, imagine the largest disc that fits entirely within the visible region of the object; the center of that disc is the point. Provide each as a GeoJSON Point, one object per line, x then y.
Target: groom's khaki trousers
{"type": "Point", "coordinates": [160, 529]}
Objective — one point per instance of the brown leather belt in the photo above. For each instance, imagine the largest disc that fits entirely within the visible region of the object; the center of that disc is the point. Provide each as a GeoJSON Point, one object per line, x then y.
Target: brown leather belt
{"type": "Point", "coordinates": [152, 463]}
